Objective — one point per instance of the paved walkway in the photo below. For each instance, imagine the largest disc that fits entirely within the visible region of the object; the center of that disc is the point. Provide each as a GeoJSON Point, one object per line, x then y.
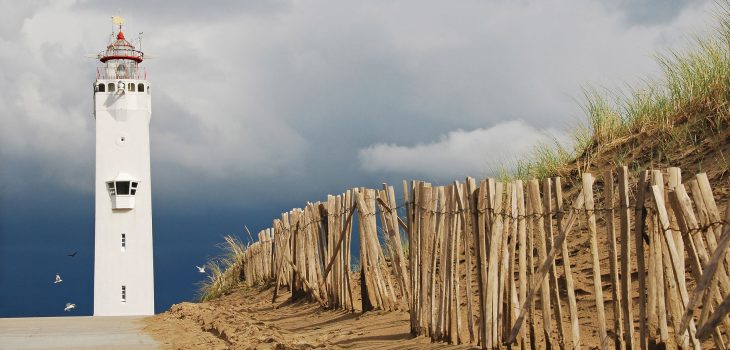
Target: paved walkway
{"type": "Point", "coordinates": [83, 332]}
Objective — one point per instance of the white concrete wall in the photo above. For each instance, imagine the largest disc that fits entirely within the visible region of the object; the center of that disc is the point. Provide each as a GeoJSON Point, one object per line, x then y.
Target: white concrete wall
{"type": "Point", "coordinates": [124, 115]}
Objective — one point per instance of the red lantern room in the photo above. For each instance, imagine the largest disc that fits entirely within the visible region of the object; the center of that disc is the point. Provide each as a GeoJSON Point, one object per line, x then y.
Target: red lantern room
{"type": "Point", "coordinates": [121, 59]}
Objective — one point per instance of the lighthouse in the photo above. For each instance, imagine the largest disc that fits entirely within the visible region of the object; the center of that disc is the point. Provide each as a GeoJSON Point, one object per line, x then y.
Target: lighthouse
{"type": "Point", "coordinates": [123, 273]}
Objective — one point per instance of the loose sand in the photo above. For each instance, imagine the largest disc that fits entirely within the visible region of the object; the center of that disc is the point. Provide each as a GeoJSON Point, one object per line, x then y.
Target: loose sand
{"type": "Point", "coordinates": [246, 319]}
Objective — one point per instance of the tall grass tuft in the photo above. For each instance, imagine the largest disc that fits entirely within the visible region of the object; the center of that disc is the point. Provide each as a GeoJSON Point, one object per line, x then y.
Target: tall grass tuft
{"type": "Point", "coordinates": [224, 271]}
{"type": "Point", "coordinates": [693, 91]}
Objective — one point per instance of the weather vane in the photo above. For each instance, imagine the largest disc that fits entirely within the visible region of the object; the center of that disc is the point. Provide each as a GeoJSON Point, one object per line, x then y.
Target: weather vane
{"type": "Point", "coordinates": [118, 20]}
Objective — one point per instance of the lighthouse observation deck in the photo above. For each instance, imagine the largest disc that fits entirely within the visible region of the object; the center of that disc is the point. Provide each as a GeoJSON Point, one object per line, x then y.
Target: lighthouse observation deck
{"type": "Point", "coordinates": [121, 59]}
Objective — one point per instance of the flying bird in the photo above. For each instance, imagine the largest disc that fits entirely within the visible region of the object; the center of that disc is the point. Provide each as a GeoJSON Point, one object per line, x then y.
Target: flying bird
{"type": "Point", "coordinates": [72, 254]}
{"type": "Point", "coordinates": [200, 269]}
{"type": "Point", "coordinates": [58, 279]}
{"type": "Point", "coordinates": [69, 306]}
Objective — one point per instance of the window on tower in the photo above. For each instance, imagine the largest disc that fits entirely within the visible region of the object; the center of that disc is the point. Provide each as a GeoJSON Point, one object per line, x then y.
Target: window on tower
{"type": "Point", "coordinates": [101, 87]}
{"type": "Point", "coordinates": [122, 191]}
{"type": "Point", "coordinates": [122, 187]}
{"type": "Point", "coordinates": [140, 87]}
{"type": "Point", "coordinates": [124, 294]}
{"type": "Point", "coordinates": [131, 87]}
{"type": "Point", "coordinates": [110, 187]}
{"type": "Point", "coordinates": [111, 87]}
{"type": "Point", "coordinates": [124, 241]}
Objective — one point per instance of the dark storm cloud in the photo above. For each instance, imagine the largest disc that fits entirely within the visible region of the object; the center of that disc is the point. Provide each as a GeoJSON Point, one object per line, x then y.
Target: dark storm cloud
{"type": "Point", "coordinates": [248, 92]}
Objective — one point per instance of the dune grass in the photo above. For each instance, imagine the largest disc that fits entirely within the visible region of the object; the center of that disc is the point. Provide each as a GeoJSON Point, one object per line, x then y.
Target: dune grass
{"type": "Point", "coordinates": [225, 271]}
{"type": "Point", "coordinates": [688, 102]}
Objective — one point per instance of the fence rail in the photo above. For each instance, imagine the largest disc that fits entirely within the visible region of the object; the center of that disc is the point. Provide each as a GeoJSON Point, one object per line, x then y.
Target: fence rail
{"type": "Point", "coordinates": [472, 262]}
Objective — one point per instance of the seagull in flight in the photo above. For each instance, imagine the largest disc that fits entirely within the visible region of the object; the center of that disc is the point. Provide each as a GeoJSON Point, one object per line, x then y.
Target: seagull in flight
{"type": "Point", "coordinates": [200, 269]}
{"type": "Point", "coordinates": [69, 306]}
{"type": "Point", "coordinates": [58, 279]}
{"type": "Point", "coordinates": [72, 254]}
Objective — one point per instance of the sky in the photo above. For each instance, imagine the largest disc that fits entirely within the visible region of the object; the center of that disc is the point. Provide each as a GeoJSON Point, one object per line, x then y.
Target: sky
{"type": "Point", "coordinates": [261, 106]}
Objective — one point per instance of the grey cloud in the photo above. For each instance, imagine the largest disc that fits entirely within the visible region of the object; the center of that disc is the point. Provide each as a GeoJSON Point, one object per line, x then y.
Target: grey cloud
{"type": "Point", "coordinates": [251, 108]}
{"type": "Point", "coordinates": [650, 12]}
{"type": "Point", "coordinates": [16, 12]}
{"type": "Point", "coordinates": [190, 12]}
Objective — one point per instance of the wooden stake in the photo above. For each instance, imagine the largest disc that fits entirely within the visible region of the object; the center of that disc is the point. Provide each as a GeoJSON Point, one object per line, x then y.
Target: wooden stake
{"type": "Point", "coordinates": [530, 270]}
{"type": "Point", "coordinates": [503, 296]}
{"type": "Point", "coordinates": [438, 314]}
{"type": "Point", "coordinates": [538, 220]}
{"type": "Point", "coordinates": [676, 267]}
{"type": "Point", "coordinates": [425, 236]}
{"type": "Point", "coordinates": [567, 269]}
{"type": "Point", "coordinates": [681, 205]}
{"type": "Point", "coordinates": [601, 315]}
{"type": "Point", "coordinates": [553, 279]}
{"type": "Point", "coordinates": [522, 255]}
{"type": "Point", "coordinates": [465, 224]}
{"type": "Point", "coordinates": [627, 300]}
{"type": "Point", "coordinates": [396, 238]}
{"type": "Point", "coordinates": [457, 232]}
{"type": "Point", "coordinates": [480, 235]}
{"type": "Point", "coordinates": [674, 179]}
{"type": "Point", "coordinates": [514, 308]}
{"type": "Point", "coordinates": [639, 219]}
{"type": "Point", "coordinates": [659, 277]}
{"type": "Point", "coordinates": [545, 265]}
{"type": "Point", "coordinates": [720, 313]}
{"type": "Point", "coordinates": [495, 234]}
{"type": "Point", "coordinates": [616, 292]}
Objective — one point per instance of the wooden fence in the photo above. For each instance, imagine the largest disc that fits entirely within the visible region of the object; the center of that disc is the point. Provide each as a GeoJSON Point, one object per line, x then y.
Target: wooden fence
{"type": "Point", "coordinates": [489, 263]}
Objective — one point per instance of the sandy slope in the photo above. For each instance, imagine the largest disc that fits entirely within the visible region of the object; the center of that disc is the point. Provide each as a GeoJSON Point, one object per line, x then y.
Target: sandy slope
{"type": "Point", "coordinates": [246, 319]}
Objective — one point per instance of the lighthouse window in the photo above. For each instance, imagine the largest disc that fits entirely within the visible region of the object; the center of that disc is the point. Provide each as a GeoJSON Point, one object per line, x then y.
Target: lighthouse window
{"type": "Point", "coordinates": [111, 87]}
{"type": "Point", "coordinates": [133, 191]}
{"type": "Point", "coordinates": [101, 87]}
{"type": "Point", "coordinates": [124, 294]}
{"type": "Point", "coordinates": [124, 241]}
{"type": "Point", "coordinates": [140, 87]}
{"type": "Point", "coordinates": [131, 87]}
{"type": "Point", "coordinates": [110, 187]}
{"type": "Point", "coordinates": [122, 187]}
{"type": "Point", "coordinates": [121, 71]}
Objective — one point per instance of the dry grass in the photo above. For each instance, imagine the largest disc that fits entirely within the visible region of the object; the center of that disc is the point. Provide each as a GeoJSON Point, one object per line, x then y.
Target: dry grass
{"type": "Point", "coordinates": [686, 105]}
{"type": "Point", "coordinates": [225, 271]}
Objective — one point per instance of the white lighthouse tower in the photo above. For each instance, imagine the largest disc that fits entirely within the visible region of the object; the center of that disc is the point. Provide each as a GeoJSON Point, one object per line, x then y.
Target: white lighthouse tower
{"type": "Point", "coordinates": [123, 274]}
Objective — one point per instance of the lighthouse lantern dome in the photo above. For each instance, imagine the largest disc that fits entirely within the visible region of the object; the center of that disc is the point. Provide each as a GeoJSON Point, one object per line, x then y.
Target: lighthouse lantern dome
{"type": "Point", "coordinates": [121, 58]}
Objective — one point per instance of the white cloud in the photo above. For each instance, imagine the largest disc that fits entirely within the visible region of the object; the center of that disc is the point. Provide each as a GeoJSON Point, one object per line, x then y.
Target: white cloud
{"type": "Point", "coordinates": [458, 153]}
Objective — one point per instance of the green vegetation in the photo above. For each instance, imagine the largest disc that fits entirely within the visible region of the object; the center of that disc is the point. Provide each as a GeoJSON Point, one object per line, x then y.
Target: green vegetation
{"type": "Point", "coordinates": [225, 272]}
{"type": "Point", "coordinates": [686, 105]}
